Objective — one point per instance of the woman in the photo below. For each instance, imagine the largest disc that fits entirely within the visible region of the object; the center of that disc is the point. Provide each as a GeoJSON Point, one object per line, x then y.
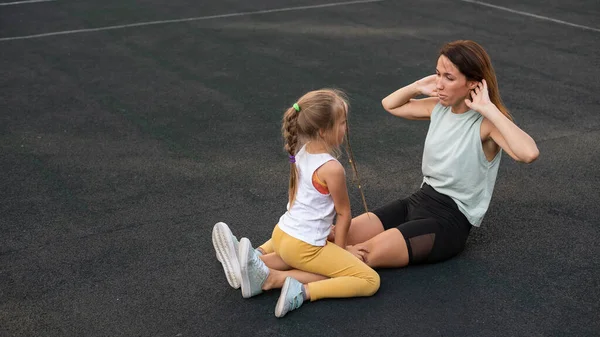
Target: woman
{"type": "Point", "coordinates": [469, 129]}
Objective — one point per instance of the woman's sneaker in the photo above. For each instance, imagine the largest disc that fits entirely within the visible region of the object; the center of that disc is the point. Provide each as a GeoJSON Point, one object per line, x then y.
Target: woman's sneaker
{"type": "Point", "coordinates": [226, 247]}
{"type": "Point", "coordinates": [253, 270]}
{"type": "Point", "coordinates": [291, 297]}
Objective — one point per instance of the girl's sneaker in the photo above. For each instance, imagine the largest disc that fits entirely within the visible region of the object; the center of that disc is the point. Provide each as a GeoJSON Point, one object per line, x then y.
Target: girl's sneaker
{"type": "Point", "coordinates": [291, 297]}
{"type": "Point", "coordinates": [226, 247]}
{"type": "Point", "coordinates": [253, 270]}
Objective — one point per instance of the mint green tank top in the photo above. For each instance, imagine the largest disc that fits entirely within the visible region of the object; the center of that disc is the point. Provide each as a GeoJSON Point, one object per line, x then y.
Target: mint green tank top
{"type": "Point", "coordinates": [454, 163]}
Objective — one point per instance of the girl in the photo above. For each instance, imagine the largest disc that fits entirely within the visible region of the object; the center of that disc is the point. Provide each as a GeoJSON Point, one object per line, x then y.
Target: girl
{"type": "Point", "coordinates": [298, 258]}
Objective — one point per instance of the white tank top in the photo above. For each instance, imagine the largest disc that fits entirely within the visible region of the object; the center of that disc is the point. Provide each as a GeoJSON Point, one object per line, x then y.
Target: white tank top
{"type": "Point", "coordinates": [454, 163]}
{"type": "Point", "coordinates": [312, 213]}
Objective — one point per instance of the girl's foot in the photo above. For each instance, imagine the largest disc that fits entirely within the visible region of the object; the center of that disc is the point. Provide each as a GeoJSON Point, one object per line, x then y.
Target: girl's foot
{"type": "Point", "coordinates": [291, 297]}
{"type": "Point", "coordinates": [226, 247]}
{"type": "Point", "coordinates": [253, 270]}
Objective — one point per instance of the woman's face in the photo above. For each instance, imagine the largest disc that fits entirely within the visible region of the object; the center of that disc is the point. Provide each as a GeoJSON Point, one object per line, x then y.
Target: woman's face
{"type": "Point", "coordinates": [452, 85]}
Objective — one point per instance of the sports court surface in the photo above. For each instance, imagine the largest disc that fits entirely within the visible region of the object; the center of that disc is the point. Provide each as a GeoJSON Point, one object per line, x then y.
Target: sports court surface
{"type": "Point", "coordinates": [129, 128]}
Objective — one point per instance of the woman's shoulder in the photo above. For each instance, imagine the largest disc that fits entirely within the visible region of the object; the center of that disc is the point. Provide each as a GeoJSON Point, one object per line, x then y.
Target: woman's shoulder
{"type": "Point", "coordinates": [439, 109]}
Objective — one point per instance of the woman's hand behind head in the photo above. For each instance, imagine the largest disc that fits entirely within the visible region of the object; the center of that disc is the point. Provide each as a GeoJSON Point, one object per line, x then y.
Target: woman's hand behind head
{"type": "Point", "coordinates": [479, 98]}
{"type": "Point", "coordinates": [428, 86]}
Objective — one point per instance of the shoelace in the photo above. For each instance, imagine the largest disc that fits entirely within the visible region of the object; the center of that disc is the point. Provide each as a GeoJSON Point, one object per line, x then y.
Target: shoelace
{"type": "Point", "coordinates": [295, 303]}
{"type": "Point", "coordinates": [256, 262]}
{"type": "Point", "coordinates": [258, 265]}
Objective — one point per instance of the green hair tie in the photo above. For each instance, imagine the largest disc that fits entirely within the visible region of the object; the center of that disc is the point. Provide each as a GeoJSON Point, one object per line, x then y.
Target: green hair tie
{"type": "Point", "coordinates": [297, 107]}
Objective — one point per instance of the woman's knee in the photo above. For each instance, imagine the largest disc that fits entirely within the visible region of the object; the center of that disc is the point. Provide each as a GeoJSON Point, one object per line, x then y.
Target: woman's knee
{"type": "Point", "coordinates": [386, 250]}
{"type": "Point", "coordinates": [364, 227]}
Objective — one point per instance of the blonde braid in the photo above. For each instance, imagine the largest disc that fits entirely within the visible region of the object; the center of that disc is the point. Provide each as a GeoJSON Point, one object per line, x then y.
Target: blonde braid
{"type": "Point", "coordinates": [290, 135]}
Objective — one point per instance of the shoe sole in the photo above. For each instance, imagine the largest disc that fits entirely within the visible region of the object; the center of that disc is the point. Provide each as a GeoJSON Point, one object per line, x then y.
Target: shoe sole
{"type": "Point", "coordinates": [281, 301]}
{"type": "Point", "coordinates": [245, 280]}
{"type": "Point", "coordinates": [225, 249]}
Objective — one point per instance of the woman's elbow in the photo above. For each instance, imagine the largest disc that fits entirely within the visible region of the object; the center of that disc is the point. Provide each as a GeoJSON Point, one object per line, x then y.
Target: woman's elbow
{"type": "Point", "coordinates": [531, 156]}
{"type": "Point", "coordinates": [385, 105]}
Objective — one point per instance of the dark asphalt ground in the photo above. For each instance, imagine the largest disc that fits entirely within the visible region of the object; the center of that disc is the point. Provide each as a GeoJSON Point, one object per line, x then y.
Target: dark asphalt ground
{"type": "Point", "coordinates": [121, 148]}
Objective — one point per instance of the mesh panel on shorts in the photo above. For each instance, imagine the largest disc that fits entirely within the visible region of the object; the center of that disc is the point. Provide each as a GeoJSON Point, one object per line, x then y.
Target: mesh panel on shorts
{"type": "Point", "coordinates": [421, 246]}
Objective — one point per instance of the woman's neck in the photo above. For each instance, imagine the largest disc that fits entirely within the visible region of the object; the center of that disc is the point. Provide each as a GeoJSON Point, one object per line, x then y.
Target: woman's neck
{"type": "Point", "coordinates": [460, 108]}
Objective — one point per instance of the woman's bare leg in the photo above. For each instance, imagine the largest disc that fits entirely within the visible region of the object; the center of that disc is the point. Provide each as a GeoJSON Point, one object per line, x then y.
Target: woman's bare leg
{"type": "Point", "coordinates": [386, 250]}
{"type": "Point", "coordinates": [363, 228]}
{"type": "Point", "coordinates": [383, 248]}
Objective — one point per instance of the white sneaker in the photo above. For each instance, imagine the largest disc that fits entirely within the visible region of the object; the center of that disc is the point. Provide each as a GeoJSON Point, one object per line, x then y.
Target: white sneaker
{"type": "Point", "coordinates": [291, 297]}
{"type": "Point", "coordinates": [226, 247]}
{"type": "Point", "coordinates": [253, 270]}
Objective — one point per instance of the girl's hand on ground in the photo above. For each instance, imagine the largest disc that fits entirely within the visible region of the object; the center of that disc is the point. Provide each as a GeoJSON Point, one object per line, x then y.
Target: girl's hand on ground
{"type": "Point", "coordinates": [427, 86]}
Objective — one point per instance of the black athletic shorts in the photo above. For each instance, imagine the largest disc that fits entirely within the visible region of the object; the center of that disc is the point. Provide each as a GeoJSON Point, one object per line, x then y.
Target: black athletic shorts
{"type": "Point", "coordinates": [431, 223]}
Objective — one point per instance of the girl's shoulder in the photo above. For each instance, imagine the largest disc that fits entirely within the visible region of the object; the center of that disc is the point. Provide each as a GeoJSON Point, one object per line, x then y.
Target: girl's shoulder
{"type": "Point", "coordinates": [331, 168]}
{"type": "Point", "coordinates": [332, 173]}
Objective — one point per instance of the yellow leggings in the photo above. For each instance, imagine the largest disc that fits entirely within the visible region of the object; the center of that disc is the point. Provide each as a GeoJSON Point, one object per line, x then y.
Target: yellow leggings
{"type": "Point", "coordinates": [349, 276]}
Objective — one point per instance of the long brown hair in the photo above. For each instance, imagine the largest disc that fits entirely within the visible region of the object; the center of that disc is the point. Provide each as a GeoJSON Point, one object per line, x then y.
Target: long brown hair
{"type": "Point", "coordinates": [318, 110]}
{"type": "Point", "coordinates": [474, 62]}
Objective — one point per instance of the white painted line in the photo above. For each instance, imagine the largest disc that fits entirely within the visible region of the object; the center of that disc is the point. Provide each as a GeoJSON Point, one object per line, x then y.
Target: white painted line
{"type": "Point", "coordinates": [199, 18]}
{"type": "Point", "coordinates": [22, 2]}
{"type": "Point", "coordinates": [541, 17]}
